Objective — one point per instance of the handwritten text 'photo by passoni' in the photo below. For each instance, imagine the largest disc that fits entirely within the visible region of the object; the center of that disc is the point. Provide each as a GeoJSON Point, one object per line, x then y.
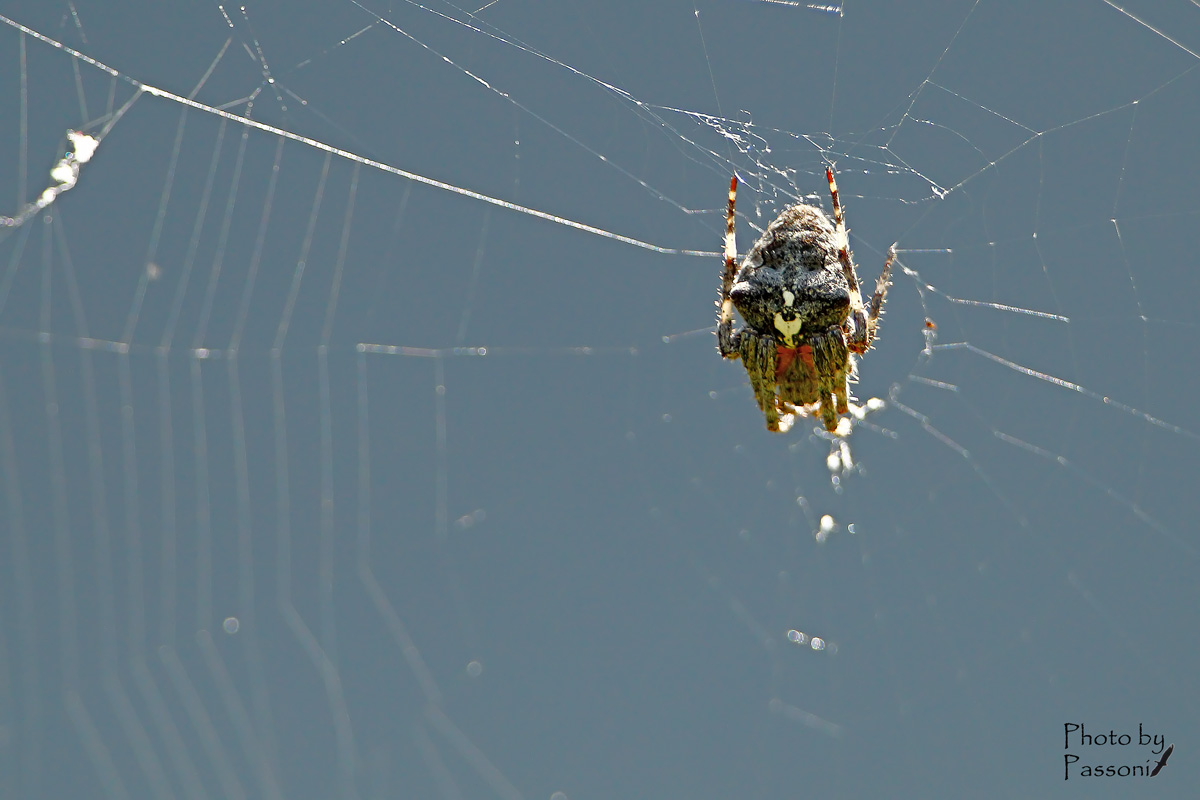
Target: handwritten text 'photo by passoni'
{"type": "Point", "coordinates": [1076, 738]}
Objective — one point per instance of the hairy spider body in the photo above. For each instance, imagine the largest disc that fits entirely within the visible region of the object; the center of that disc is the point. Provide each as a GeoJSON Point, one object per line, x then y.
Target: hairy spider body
{"type": "Point", "coordinates": [797, 291]}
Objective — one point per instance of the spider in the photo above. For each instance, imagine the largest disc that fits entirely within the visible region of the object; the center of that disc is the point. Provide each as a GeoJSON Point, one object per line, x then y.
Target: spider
{"type": "Point", "coordinates": [798, 294]}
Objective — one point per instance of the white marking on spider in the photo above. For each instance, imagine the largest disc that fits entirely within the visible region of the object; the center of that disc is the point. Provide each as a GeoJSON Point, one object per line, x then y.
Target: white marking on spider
{"type": "Point", "coordinates": [789, 328]}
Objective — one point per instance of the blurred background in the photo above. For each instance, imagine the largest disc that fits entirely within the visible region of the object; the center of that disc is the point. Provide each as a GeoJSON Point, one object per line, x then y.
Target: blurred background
{"type": "Point", "coordinates": [362, 432]}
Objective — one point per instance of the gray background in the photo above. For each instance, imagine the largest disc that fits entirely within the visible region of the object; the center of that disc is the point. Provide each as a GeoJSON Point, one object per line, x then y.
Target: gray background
{"type": "Point", "coordinates": [571, 564]}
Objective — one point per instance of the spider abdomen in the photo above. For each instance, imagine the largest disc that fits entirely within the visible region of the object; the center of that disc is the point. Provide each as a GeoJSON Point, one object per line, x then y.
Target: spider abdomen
{"type": "Point", "coordinates": [801, 237]}
{"type": "Point", "coordinates": [789, 304]}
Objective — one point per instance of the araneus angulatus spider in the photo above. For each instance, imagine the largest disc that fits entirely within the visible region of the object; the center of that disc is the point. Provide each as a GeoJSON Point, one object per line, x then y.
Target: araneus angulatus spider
{"type": "Point", "coordinates": [798, 293]}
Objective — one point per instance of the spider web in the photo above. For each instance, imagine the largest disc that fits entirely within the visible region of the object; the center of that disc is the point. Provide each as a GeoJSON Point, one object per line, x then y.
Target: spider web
{"type": "Point", "coordinates": [362, 433]}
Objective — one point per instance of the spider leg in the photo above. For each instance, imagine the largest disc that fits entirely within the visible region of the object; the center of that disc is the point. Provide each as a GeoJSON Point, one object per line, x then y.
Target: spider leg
{"type": "Point", "coordinates": [831, 357]}
{"type": "Point", "coordinates": [881, 287]}
{"type": "Point", "coordinates": [727, 338]}
{"type": "Point", "coordinates": [843, 239]}
{"type": "Point", "coordinates": [759, 354]}
{"type": "Point", "coordinates": [859, 337]}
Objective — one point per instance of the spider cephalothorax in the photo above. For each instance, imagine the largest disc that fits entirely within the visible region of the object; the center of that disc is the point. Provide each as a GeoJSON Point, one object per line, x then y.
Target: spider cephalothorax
{"type": "Point", "coordinates": [798, 293]}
